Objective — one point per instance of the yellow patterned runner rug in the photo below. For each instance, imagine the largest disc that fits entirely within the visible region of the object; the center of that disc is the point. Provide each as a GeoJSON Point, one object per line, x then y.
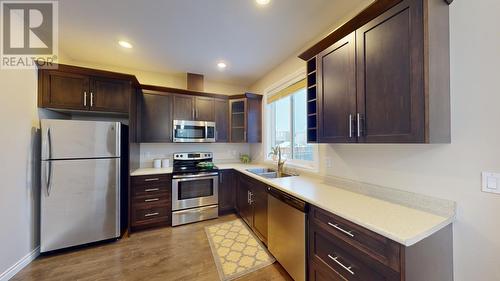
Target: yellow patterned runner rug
{"type": "Point", "coordinates": [236, 250]}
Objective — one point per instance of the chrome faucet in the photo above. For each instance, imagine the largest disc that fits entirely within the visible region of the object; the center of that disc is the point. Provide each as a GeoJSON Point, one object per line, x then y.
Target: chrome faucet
{"type": "Point", "coordinates": [276, 151]}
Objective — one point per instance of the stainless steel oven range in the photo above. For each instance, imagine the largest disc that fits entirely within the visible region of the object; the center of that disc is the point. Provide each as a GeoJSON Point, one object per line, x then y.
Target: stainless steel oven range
{"type": "Point", "coordinates": [195, 188]}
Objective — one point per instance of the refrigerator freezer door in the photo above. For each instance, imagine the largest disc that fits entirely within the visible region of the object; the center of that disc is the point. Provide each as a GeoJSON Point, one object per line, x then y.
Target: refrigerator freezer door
{"type": "Point", "coordinates": [72, 139]}
{"type": "Point", "coordinates": [80, 202]}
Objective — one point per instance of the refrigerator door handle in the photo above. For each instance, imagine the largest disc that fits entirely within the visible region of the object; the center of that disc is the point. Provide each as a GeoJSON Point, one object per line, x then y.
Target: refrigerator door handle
{"type": "Point", "coordinates": [49, 140]}
{"type": "Point", "coordinates": [49, 166]}
{"type": "Point", "coordinates": [48, 176]}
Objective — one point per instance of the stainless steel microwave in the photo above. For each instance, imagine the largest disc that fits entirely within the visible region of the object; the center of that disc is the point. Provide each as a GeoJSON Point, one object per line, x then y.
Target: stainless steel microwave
{"type": "Point", "coordinates": [193, 131]}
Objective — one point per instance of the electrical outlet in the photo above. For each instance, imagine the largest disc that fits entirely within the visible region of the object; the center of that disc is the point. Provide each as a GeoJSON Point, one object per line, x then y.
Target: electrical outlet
{"type": "Point", "coordinates": [490, 182]}
{"type": "Point", "coordinates": [329, 162]}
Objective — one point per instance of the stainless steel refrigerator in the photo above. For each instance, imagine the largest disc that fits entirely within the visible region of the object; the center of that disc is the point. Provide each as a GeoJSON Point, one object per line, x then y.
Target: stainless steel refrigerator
{"type": "Point", "coordinates": [80, 175]}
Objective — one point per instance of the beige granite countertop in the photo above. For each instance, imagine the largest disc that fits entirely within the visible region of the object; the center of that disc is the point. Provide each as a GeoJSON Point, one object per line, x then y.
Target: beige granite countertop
{"type": "Point", "coordinates": [403, 224]}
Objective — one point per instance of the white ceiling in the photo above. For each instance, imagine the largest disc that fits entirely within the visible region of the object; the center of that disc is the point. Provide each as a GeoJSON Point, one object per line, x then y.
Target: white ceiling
{"type": "Point", "coordinates": [174, 36]}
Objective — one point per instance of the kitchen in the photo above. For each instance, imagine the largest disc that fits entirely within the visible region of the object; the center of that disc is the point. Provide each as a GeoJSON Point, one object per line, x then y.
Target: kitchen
{"type": "Point", "coordinates": [332, 140]}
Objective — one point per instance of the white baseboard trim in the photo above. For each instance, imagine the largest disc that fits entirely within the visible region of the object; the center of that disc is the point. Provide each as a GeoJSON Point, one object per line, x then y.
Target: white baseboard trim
{"type": "Point", "coordinates": [18, 266]}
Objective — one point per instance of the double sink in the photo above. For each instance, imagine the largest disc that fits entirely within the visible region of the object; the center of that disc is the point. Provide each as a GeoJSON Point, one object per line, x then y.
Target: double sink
{"type": "Point", "coordinates": [268, 173]}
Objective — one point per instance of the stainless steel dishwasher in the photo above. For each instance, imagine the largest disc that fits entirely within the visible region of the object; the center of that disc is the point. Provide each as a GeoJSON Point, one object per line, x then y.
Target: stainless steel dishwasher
{"type": "Point", "coordinates": [287, 232]}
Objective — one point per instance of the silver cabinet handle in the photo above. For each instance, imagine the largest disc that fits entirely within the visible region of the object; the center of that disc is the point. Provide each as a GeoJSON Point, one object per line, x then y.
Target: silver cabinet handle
{"type": "Point", "coordinates": [85, 98]}
{"type": "Point", "coordinates": [151, 214]}
{"type": "Point", "coordinates": [350, 125]}
{"type": "Point", "coordinates": [151, 189]}
{"type": "Point", "coordinates": [91, 99]}
{"type": "Point", "coordinates": [251, 197]}
{"type": "Point", "coordinates": [336, 226]}
{"type": "Point", "coordinates": [152, 179]}
{"type": "Point", "coordinates": [248, 197]}
{"type": "Point", "coordinates": [347, 268]}
{"type": "Point", "coordinates": [245, 136]}
{"type": "Point", "coordinates": [358, 124]}
{"type": "Point", "coordinates": [152, 200]}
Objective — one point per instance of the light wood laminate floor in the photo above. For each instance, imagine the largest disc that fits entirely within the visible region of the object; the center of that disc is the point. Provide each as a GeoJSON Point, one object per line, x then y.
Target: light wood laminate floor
{"type": "Point", "coordinates": [166, 254]}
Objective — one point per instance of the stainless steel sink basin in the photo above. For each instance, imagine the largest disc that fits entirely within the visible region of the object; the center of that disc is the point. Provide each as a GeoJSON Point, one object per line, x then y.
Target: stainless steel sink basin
{"type": "Point", "coordinates": [268, 173]}
{"type": "Point", "coordinates": [261, 170]}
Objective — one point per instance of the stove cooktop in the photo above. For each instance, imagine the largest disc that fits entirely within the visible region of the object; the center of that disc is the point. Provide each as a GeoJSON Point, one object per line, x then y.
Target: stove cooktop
{"type": "Point", "coordinates": [187, 162]}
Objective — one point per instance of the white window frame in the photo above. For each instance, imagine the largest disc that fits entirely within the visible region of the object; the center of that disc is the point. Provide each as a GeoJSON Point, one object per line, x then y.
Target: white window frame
{"type": "Point", "coordinates": [269, 122]}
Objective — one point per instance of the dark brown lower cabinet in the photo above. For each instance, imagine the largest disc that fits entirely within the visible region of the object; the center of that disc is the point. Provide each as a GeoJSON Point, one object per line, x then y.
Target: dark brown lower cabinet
{"type": "Point", "coordinates": [252, 205]}
{"type": "Point", "coordinates": [342, 250]}
{"type": "Point", "coordinates": [150, 201]}
{"type": "Point", "coordinates": [227, 191]}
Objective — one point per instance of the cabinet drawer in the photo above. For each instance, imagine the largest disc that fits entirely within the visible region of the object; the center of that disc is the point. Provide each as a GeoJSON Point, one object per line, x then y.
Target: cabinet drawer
{"type": "Point", "coordinates": [150, 215]}
{"type": "Point", "coordinates": [328, 254]}
{"type": "Point", "coordinates": [375, 246]}
{"type": "Point", "coordinates": [152, 180]}
{"type": "Point", "coordinates": [155, 198]}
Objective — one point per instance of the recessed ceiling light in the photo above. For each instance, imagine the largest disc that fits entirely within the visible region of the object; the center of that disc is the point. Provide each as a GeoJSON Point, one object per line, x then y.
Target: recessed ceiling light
{"type": "Point", "coordinates": [262, 2]}
{"type": "Point", "coordinates": [125, 44]}
{"type": "Point", "coordinates": [221, 65]}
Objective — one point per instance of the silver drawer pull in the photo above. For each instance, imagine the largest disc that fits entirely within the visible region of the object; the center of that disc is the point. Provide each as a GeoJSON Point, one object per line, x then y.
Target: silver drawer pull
{"type": "Point", "coordinates": [151, 189]}
{"type": "Point", "coordinates": [348, 268]}
{"type": "Point", "coordinates": [151, 214]}
{"type": "Point", "coordinates": [336, 226]}
{"type": "Point", "coordinates": [152, 200]}
{"type": "Point", "coordinates": [152, 179]}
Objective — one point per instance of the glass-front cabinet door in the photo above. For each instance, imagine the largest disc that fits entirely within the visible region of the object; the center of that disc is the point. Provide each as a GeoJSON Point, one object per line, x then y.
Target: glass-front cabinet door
{"type": "Point", "coordinates": [238, 120]}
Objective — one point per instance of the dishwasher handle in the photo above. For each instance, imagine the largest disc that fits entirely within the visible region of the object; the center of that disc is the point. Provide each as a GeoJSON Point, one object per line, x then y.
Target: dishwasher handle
{"type": "Point", "coordinates": [288, 199]}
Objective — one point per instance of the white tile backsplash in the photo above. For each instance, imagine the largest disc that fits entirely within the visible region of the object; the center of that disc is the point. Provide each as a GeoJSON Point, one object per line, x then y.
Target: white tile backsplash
{"type": "Point", "coordinates": [223, 152]}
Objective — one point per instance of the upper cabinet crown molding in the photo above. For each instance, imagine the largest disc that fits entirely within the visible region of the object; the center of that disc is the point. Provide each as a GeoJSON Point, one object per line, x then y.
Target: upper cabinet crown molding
{"type": "Point", "coordinates": [387, 80]}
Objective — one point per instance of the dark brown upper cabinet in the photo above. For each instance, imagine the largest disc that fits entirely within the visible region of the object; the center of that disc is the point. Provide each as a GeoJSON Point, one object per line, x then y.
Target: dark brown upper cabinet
{"type": "Point", "coordinates": [156, 117]}
{"type": "Point", "coordinates": [204, 109]}
{"type": "Point", "coordinates": [337, 91]}
{"type": "Point", "coordinates": [391, 96]}
{"type": "Point", "coordinates": [110, 95]}
{"type": "Point", "coordinates": [62, 90]}
{"type": "Point", "coordinates": [387, 80]}
{"type": "Point", "coordinates": [221, 120]}
{"type": "Point", "coordinates": [187, 107]}
{"type": "Point", "coordinates": [84, 89]}
{"type": "Point", "coordinates": [245, 118]}
{"type": "Point", "coordinates": [184, 107]}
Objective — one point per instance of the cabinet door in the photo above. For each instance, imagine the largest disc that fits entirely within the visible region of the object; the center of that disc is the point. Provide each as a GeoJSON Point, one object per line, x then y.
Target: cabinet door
{"type": "Point", "coordinates": [156, 118]}
{"type": "Point", "coordinates": [110, 95]}
{"type": "Point", "coordinates": [238, 120]}
{"type": "Point", "coordinates": [204, 109]}
{"type": "Point", "coordinates": [221, 120]}
{"type": "Point", "coordinates": [259, 202]}
{"type": "Point", "coordinates": [227, 191]}
{"type": "Point", "coordinates": [183, 107]}
{"type": "Point", "coordinates": [243, 201]}
{"type": "Point", "coordinates": [390, 76]}
{"type": "Point", "coordinates": [337, 92]}
{"type": "Point", "coordinates": [64, 90]}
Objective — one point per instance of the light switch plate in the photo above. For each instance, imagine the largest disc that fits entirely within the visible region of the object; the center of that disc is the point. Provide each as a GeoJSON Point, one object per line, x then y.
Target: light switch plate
{"type": "Point", "coordinates": [490, 182]}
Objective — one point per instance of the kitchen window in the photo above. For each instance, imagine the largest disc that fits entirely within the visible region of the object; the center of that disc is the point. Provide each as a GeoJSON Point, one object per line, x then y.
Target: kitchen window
{"type": "Point", "coordinates": [286, 124]}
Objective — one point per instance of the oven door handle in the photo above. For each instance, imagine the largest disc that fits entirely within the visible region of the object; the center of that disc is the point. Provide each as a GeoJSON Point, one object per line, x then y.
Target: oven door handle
{"type": "Point", "coordinates": [198, 176]}
{"type": "Point", "coordinates": [196, 179]}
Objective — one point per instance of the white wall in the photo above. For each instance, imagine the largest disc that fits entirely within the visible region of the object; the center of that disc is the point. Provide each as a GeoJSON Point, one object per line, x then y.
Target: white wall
{"type": "Point", "coordinates": [450, 171]}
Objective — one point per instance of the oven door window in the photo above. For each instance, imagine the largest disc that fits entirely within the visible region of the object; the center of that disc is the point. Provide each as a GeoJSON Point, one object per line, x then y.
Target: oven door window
{"type": "Point", "coordinates": [189, 132]}
{"type": "Point", "coordinates": [195, 189]}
